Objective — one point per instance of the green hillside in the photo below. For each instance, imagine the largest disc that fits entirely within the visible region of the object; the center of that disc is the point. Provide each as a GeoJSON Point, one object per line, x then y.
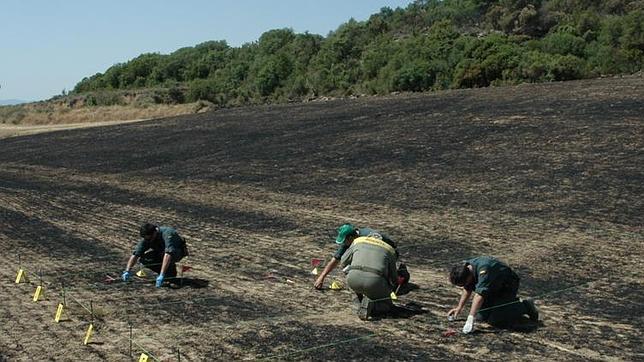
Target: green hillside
{"type": "Point", "coordinates": [429, 45]}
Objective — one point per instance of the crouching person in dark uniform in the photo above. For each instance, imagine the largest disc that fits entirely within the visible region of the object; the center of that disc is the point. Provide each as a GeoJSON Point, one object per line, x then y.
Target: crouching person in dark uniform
{"type": "Point", "coordinates": [494, 286]}
{"type": "Point", "coordinates": [372, 275]}
{"type": "Point", "coordinates": [159, 250]}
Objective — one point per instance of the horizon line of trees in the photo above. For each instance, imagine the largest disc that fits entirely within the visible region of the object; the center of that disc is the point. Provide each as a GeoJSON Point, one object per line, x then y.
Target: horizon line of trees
{"type": "Point", "coordinates": [429, 45]}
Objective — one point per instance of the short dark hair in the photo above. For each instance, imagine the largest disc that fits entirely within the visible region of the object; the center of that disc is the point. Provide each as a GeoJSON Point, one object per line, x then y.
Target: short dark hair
{"type": "Point", "coordinates": [458, 275]}
{"type": "Point", "coordinates": [147, 229]}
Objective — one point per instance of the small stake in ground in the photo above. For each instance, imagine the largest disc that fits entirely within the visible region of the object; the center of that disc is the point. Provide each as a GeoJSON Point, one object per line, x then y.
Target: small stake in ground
{"type": "Point", "coordinates": [39, 289]}
{"type": "Point", "coordinates": [37, 293]}
{"type": "Point", "coordinates": [88, 335]}
{"type": "Point", "coordinates": [143, 358]}
{"type": "Point", "coordinates": [21, 276]}
{"type": "Point", "coordinates": [59, 312]}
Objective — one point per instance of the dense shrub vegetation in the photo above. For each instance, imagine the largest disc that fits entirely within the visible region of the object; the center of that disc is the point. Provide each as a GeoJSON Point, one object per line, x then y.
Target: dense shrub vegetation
{"type": "Point", "coordinates": [429, 45]}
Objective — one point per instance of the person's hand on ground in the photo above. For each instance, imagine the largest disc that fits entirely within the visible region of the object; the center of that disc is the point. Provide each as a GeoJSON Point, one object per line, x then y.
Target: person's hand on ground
{"type": "Point", "coordinates": [126, 275]}
{"type": "Point", "coordinates": [160, 280]}
{"type": "Point", "coordinates": [451, 315]}
{"type": "Point", "coordinates": [318, 283]}
{"type": "Point", "coordinates": [469, 324]}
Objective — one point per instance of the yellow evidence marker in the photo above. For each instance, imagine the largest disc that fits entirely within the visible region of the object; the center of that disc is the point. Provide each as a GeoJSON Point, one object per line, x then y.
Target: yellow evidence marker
{"type": "Point", "coordinates": [37, 293]}
{"type": "Point", "coordinates": [335, 285]}
{"type": "Point", "coordinates": [59, 312]}
{"type": "Point", "coordinates": [143, 358]}
{"type": "Point", "coordinates": [21, 276]}
{"type": "Point", "coordinates": [88, 335]}
{"type": "Point", "coordinates": [140, 273]}
{"type": "Point", "coordinates": [393, 296]}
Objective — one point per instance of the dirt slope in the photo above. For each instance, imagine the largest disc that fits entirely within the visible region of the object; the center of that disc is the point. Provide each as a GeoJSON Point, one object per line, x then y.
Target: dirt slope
{"type": "Point", "coordinates": [546, 177]}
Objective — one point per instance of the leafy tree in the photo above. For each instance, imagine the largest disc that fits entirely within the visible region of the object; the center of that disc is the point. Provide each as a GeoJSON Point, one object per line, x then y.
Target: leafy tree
{"type": "Point", "coordinates": [416, 75]}
{"type": "Point", "coordinates": [272, 73]}
{"type": "Point", "coordinates": [564, 43]}
{"type": "Point", "coordinates": [430, 44]}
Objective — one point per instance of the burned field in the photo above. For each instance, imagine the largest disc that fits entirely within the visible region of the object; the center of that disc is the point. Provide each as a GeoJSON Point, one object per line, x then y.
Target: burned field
{"type": "Point", "coordinates": [545, 177]}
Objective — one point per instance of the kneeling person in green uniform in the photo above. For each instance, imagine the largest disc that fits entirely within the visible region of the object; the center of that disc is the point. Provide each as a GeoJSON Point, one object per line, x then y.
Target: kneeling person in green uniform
{"type": "Point", "coordinates": [372, 274]}
{"type": "Point", "coordinates": [346, 234]}
{"type": "Point", "coordinates": [160, 249]}
{"type": "Point", "coordinates": [494, 286]}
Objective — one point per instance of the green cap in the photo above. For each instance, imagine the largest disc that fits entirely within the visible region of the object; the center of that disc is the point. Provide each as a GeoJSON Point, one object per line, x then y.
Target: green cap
{"type": "Point", "coordinates": [344, 231]}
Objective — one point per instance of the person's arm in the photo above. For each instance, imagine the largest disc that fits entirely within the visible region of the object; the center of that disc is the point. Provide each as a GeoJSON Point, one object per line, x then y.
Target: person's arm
{"type": "Point", "coordinates": [335, 260]}
{"type": "Point", "coordinates": [172, 242]}
{"type": "Point", "coordinates": [131, 262]}
{"type": "Point", "coordinates": [167, 258]}
{"type": "Point", "coordinates": [127, 274]}
{"type": "Point", "coordinates": [465, 295]}
{"type": "Point", "coordinates": [477, 302]}
{"type": "Point", "coordinates": [347, 257]}
{"type": "Point", "coordinates": [327, 269]}
{"type": "Point", "coordinates": [139, 249]}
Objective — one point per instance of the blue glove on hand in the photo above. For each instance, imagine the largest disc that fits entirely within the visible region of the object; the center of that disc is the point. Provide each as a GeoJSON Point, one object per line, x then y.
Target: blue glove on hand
{"type": "Point", "coordinates": [160, 280]}
{"type": "Point", "coordinates": [126, 275]}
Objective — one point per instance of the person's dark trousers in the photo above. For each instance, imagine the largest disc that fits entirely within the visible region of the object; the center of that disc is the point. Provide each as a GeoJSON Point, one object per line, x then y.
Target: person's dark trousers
{"type": "Point", "coordinates": [504, 306]}
{"type": "Point", "coordinates": [153, 260]}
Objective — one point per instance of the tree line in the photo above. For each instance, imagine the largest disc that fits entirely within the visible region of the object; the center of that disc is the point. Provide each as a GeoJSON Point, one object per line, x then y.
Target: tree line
{"type": "Point", "coordinates": [429, 45]}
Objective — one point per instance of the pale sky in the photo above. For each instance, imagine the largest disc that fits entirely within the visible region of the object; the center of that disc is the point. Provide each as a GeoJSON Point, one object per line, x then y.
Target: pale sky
{"type": "Point", "coordinates": [50, 45]}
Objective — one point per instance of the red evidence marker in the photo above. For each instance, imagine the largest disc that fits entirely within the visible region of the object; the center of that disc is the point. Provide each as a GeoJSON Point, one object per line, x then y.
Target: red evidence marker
{"type": "Point", "coordinates": [315, 262]}
{"type": "Point", "coordinates": [449, 332]}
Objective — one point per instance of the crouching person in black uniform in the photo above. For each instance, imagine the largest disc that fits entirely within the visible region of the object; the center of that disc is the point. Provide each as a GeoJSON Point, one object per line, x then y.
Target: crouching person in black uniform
{"type": "Point", "coordinates": [159, 250]}
{"type": "Point", "coordinates": [494, 286]}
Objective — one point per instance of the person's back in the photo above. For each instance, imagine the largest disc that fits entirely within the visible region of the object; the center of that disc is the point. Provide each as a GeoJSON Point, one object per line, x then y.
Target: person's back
{"type": "Point", "coordinates": [491, 263]}
{"type": "Point", "coordinates": [492, 276]}
{"type": "Point", "coordinates": [371, 274]}
{"type": "Point", "coordinates": [373, 255]}
{"type": "Point", "coordinates": [173, 243]}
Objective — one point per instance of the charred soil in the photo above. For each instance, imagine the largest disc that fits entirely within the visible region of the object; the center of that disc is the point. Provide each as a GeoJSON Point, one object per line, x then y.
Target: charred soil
{"type": "Point", "coordinates": [546, 177]}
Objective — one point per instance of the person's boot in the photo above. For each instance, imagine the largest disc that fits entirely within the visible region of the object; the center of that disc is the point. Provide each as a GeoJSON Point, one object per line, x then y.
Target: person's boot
{"type": "Point", "coordinates": [531, 309]}
{"type": "Point", "coordinates": [381, 308]}
{"type": "Point", "coordinates": [356, 302]}
{"type": "Point", "coordinates": [366, 309]}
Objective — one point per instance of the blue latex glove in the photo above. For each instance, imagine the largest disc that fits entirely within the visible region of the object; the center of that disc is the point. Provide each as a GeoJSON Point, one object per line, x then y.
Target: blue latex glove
{"type": "Point", "coordinates": [160, 280]}
{"type": "Point", "coordinates": [126, 275]}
